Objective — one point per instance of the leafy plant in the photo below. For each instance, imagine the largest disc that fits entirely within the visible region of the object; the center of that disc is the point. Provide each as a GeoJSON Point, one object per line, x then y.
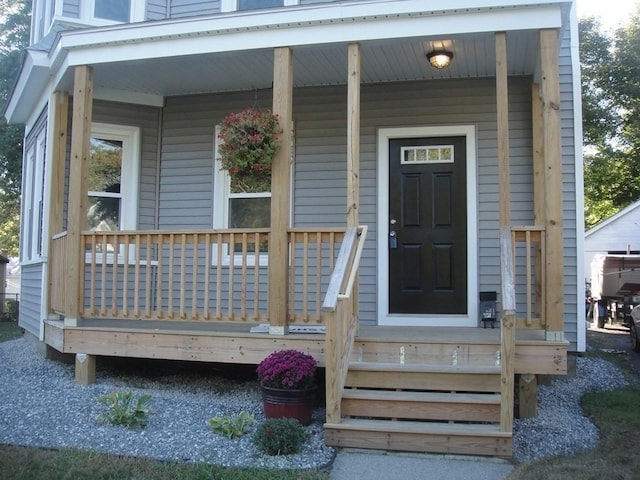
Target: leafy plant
{"type": "Point", "coordinates": [288, 369]}
{"type": "Point", "coordinates": [249, 140]}
{"type": "Point", "coordinates": [125, 409]}
{"type": "Point", "coordinates": [231, 427]}
{"type": "Point", "coordinates": [280, 436]}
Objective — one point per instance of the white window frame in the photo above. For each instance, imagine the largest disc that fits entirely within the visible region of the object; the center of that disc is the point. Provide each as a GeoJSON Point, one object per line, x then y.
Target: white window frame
{"type": "Point", "coordinates": [42, 15]}
{"type": "Point", "coordinates": [33, 198]}
{"type": "Point", "coordinates": [129, 179]}
{"type": "Point", "coordinates": [232, 5]}
{"type": "Point", "coordinates": [88, 8]}
{"type": "Point", "coordinates": [221, 195]}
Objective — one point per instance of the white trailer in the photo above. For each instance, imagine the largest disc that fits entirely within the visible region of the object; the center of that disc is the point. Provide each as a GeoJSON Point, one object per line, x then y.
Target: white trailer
{"type": "Point", "coordinates": [615, 283]}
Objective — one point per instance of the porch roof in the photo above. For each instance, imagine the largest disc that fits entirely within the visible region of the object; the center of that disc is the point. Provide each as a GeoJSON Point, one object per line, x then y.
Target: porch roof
{"type": "Point", "coordinates": [146, 62]}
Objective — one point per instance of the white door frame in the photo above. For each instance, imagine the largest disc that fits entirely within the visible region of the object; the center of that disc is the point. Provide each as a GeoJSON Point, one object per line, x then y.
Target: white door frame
{"type": "Point", "coordinates": [470, 319]}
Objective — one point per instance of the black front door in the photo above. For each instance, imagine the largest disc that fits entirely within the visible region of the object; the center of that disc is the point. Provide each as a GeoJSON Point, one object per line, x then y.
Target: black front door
{"type": "Point", "coordinates": [427, 226]}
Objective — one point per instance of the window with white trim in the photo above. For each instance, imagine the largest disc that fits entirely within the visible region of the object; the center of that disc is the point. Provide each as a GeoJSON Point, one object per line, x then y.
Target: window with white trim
{"type": "Point", "coordinates": [106, 12]}
{"type": "Point", "coordinates": [240, 5]}
{"type": "Point", "coordinates": [114, 158]}
{"type": "Point", "coordinates": [245, 204]}
{"type": "Point", "coordinates": [32, 196]}
{"type": "Point", "coordinates": [42, 16]}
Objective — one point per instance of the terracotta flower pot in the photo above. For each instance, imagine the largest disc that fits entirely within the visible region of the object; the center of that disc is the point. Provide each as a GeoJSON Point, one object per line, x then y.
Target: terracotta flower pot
{"type": "Point", "coordinates": [289, 403]}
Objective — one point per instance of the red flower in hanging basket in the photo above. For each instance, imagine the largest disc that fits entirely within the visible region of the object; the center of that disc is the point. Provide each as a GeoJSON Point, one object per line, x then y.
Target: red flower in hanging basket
{"type": "Point", "coordinates": [287, 369]}
{"type": "Point", "coordinates": [249, 140]}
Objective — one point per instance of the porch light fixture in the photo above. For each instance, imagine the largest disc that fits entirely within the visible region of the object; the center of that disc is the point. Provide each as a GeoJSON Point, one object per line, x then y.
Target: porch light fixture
{"type": "Point", "coordinates": [440, 58]}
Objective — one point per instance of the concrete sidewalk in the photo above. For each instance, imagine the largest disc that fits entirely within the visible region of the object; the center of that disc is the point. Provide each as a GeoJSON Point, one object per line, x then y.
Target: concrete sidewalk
{"type": "Point", "coordinates": [353, 464]}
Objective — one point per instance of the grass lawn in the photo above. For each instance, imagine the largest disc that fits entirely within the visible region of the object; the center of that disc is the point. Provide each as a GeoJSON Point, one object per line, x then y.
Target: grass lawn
{"type": "Point", "coordinates": [9, 331]}
{"type": "Point", "coordinates": [617, 416]}
{"type": "Point", "coordinates": [20, 463]}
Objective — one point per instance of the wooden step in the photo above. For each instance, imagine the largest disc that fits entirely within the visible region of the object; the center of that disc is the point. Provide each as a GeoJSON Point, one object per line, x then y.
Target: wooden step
{"type": "Point", "coordinates": [432, 437]}
{"type": "Point", "coordinates": [425, 352]}
{"type": "Point", "coordinates": [404, 376]}
{"type": "Point", "coordinates": [421, 405]}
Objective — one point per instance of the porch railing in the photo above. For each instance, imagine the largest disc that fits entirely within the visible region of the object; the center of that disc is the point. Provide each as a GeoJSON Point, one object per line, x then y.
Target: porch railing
{"type": "Point", "coordinates": [205, 275]}
{"type": "Point", "coordinates": [341, 309]}
{"type": "Point", "coordinates": [529, 253]}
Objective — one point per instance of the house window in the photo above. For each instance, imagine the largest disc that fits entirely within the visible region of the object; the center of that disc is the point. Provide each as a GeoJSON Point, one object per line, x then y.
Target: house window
{"type": "Point", "coordinates": [108, 12]}
{"type": "Point", "coordinates": [113, 177]}
{"type": "Point", "coordinates": [42, 18]}
{"type": "Point", "coordinates": [255, 4]}
{"type": "Point", "coordinates": [427, 154]}
{"type": "Point", "coordinates": [239, 204]}
{"type": "Point", "coordinates": [240, 5]}
{"type": "Point", "coordinates": [33, 194]}
{"type": "Point", "coordinates": [114, 10]}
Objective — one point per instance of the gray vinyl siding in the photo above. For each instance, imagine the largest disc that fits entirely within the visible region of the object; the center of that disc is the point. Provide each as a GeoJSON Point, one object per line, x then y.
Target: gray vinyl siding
{"type": "Point", "coordinates": [320, 150]}
{"type": "Point", "coordinates": [188, 8]}
{"type": "Point", "coordinates": [320, 167]}
{"type": "Point", "coordinates": [147, 119]}
{"type": "Point", "coordinates": [31, 297]}
{"type": "Point", "coordinates": [573, 302]}
{"type": "Point", "coordinates": [71, 8]}
{"type": "Point", "coordinates": [156, 9]}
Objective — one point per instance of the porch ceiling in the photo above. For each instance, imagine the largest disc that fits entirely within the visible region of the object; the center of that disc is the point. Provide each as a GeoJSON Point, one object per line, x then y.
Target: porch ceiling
{"type": "Point", "coordinates": [382, 61]}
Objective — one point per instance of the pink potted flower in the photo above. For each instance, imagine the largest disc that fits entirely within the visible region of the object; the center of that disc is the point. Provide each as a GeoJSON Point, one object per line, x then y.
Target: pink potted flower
{"type": "Point", "coordinates": [287, 381]}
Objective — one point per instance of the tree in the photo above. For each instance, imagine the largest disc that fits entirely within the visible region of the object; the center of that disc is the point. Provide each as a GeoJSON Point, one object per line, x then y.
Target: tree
{"type": "Point", "coordinates": [611, 117]}
{"type": "Point", "coordinates": [14, 38]}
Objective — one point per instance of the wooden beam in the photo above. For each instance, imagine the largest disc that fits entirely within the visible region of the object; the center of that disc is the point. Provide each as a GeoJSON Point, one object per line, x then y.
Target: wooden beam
{"type": "Point", "coordinates": [56, 195]}
{"type": "Point", "coordinates": [537, 122]}
{"type": "Point", "coordinates": [538, 191]}
{"type": "Point", "coordinates": [85, 369]}
{"type": "Point", "coordinates": [502, 104]}
{"type": "Point", "coordinates": [550, 85]}
{"type": "Point", "coordinates": [280, 189]}
{"type": "Point", "coordinates": [527, 396]}
{"type": "Point", "coordinates": [56, 198]}
{"type": "Point", "coordinates": [77, 207]}
{"type": "Point", "coordinates": [353, 136]}
{"type": "Point", "coordinates": [508, 330]}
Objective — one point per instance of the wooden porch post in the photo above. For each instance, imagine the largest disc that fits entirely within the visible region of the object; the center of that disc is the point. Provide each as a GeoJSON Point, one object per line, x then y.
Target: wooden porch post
{"type": "Point", "coordinates": [538, 190]}
{"type": "Point", "coordinates": [507, 332]}
{"type": "Point", "coordinates": [280, 201]}
{"type": "Point", "coordinates": [353, 136]}
{"type": "Point", "coordinates": [553, 184]}
{"type": "Point", "coordinates": [56, 197]}
{"type": "Point", "coordinates": [77, 214]}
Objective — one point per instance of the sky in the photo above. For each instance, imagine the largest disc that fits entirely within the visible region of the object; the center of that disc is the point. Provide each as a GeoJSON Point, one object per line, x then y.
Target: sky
{"type": "Point", "coordinates": [612, 13]}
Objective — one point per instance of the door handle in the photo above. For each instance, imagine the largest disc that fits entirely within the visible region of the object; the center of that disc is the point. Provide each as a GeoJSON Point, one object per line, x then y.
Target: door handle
{"type": "Point", "coordinates": [393, 239]}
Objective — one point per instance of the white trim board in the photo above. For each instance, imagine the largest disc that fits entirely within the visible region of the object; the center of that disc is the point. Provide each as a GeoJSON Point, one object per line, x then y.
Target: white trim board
{"type": "Point", "coordinates": [427, 320]}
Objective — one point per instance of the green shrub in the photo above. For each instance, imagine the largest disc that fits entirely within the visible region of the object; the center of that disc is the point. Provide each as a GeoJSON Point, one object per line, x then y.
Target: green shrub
{"type": "Point", "coordinates": [125, 409]}
{"type": "Point", "coordinates": [231, 427]}
{"type": "Point", "coordinates": [280, 436]}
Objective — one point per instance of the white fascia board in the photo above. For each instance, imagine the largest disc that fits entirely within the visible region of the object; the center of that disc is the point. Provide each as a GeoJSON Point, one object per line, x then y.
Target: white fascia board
{"type": "Point", "coordinates": [33, 77]}
{"type": "Point", "coordinates": [314, 34]}
{"type": "Point", "coordinates": [294, 16]}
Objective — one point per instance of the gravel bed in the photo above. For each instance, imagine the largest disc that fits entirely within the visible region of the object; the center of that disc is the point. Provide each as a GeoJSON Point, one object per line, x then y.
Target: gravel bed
{"type": "Point", "coordinates": [560, 428]}
{"type": "Point", "coordinates": [41, 406]}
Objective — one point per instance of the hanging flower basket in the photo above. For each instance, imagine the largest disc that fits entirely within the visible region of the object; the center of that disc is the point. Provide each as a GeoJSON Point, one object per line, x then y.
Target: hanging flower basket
{"type": "Point", "coordinates": [249, 140]}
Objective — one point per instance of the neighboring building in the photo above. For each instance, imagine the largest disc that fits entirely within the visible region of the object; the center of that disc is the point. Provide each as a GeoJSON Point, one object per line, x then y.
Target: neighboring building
{"type": "Point", "coordinates": [430, 173]}
{"type": "Point", "coordinates": [4, 261]}
{"type": "Point", "coordinates": [617, 234]}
